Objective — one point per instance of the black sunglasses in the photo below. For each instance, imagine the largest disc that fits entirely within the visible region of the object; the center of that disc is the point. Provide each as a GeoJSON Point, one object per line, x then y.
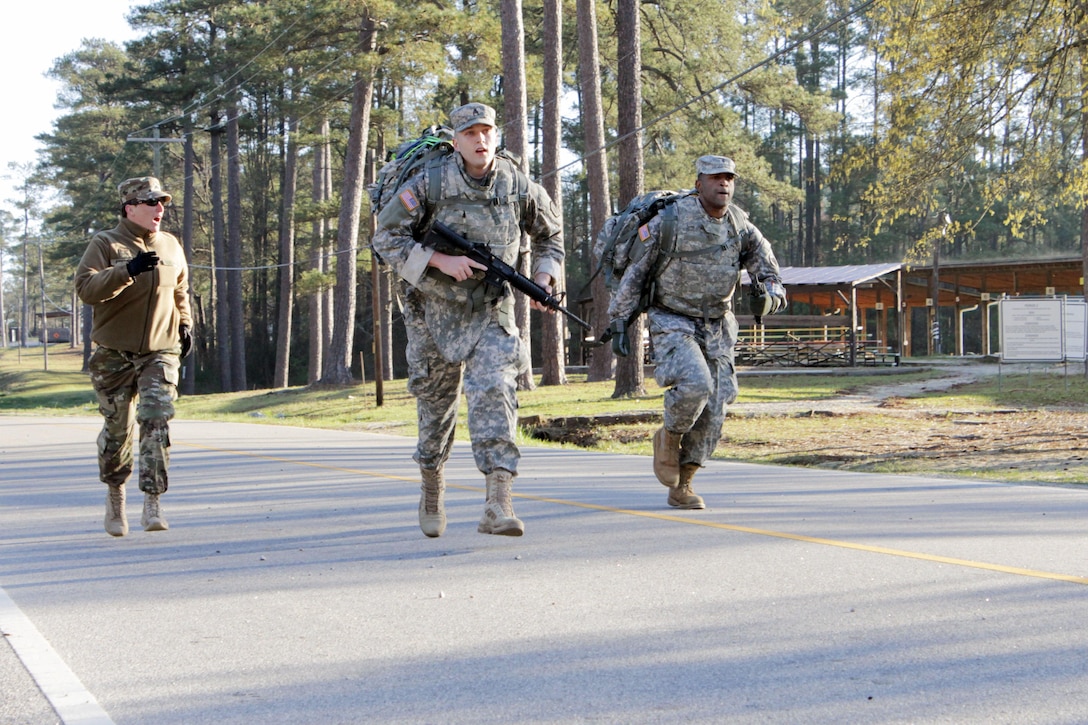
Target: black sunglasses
{"type": "Point", "coordinates": [148, 202]}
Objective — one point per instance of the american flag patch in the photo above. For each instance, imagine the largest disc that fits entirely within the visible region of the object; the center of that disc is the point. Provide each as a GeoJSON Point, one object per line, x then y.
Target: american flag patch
{"type": "Point", "coordinates": [409, 200]}
{"type": "Point", "coordinates": [644, 232]}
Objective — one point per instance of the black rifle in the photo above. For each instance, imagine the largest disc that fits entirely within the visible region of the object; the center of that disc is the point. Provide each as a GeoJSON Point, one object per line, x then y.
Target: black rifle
{"type": "Point", "coordinates": [498, 272]}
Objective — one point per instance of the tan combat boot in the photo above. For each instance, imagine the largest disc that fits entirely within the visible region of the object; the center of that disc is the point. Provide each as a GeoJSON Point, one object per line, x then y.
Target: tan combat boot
{"type": "Point", "coordinates": [116, 521]}
{"type": "Point", "coordinates": [499, 515]}
{"type": "Point", "coordinates": [153, 520]}
{"type": "Point", "coordinates": [682, 497]}
{"type": "Point", "coordinates": [432, 509]}
{"type": "Point", "coordinates": [667, 456]}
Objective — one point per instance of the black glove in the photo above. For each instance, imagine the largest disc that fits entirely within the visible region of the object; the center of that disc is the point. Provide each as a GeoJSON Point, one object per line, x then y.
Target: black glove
{"type": "Point", "coordinates": [620, 344]}
{"type": "Point", "coordinates": [186, 340]}
{"type": "Point", "coordinates": [141, 263]}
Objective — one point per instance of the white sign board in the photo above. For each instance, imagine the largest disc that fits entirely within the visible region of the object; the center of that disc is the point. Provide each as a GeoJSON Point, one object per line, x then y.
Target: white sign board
{"type": "Point", "coordinates": [1032, 329]}
{"type": "Point", "coordinates": [1076, 328]}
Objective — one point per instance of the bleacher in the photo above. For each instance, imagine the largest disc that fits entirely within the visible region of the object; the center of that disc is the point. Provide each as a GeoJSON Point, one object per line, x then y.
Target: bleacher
{"type": "Point", "coordinates": [806, 341]}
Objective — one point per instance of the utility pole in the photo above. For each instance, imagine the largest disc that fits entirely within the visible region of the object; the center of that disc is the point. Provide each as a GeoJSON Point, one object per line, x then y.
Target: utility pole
{"type": "Point", "coordinates": [375, 298]}
{"type": "Point", "coordinates": [45, 313]}
{"type": "Point", "coordinates": [156, 142]}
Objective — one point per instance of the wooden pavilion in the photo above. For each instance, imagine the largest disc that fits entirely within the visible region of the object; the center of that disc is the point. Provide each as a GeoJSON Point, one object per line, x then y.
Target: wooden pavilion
{"type": "Point", "coordinates": [878, 313]}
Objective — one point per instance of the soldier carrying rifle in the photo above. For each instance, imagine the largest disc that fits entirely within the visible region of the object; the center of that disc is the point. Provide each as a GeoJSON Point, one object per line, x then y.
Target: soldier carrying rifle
{"type": "Point", "coordinates": [461, 329]}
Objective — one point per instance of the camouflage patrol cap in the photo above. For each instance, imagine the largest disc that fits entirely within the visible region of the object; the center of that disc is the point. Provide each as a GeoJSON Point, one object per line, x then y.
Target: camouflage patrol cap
{"type": "Point", "coordinates": [715, 165]}
{"type": "Point", "coordinates": [470, 114]}
{"type": "Point", "coordinates": [142, 188]}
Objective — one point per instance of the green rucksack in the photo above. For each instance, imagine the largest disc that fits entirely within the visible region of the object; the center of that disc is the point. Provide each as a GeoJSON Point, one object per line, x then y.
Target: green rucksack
{"type": "Point", "coordinates": [429, 149]}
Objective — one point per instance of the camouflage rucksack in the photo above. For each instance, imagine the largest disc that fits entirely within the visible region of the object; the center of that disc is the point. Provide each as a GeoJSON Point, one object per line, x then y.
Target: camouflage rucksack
{"type": "Point", "coordinates": [428, 152]}
{"type": "Point", "coordinates": [622, 239]}
{"type": "Point", "coordinates": [428, 149]}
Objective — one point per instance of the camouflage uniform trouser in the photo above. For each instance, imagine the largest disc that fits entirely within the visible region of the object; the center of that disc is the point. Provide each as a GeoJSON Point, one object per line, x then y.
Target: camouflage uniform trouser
{"type": "Point", "coordinates": [489, 376]}
{"type": "Point", "coordinates": [131, 389]}
{"type": "Point", "coordinates": [695, 365]}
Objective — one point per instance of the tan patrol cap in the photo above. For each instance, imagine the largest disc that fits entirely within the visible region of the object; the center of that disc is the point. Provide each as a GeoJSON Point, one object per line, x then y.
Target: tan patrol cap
{"type": "Point", "coordinates": [470, 114]}
{"type": "Point", "coordinates": [142, 188]}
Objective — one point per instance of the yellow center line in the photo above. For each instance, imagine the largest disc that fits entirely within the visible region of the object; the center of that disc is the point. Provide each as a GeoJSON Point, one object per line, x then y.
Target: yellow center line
{"type": "Point", "coordinates": [952, 561]}
{"type": "Point", "coordinates": [825, 542]}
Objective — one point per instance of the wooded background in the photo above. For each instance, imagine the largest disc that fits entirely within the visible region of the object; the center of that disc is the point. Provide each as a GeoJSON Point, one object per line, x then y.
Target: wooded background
{"type": "Point", "coordinates": [855, 129]}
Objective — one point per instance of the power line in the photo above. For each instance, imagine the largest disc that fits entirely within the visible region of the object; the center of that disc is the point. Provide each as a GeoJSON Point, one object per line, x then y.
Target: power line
{"type": "Point", "coordinates": [661, 117]}
{"type": "Point", "coordinates": [766, 61]}
{"type": "Point", "coordinates": [199, 104]}
{"type": "Point", "coordinates": [281, 265]}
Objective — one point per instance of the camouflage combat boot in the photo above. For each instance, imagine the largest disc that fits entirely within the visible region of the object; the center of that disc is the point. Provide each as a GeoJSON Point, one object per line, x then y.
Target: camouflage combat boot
{"type": "Point", "coordinates": [499, 515]}
{"type": "Point", "coordinates": [153, 520]}
{"type": "Point", "coordinates": [116, 521]}
{"type": "Point", "coordinates": [432, 509]}
{"type": "Point", "coordinates": [667, 456]}
{"type": "Point", "coordinates": [682, 496]}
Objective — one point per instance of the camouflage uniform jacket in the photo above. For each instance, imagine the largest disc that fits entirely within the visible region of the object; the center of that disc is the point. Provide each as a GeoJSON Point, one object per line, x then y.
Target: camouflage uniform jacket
{"type": "Point", "coordinates": [698, 278]}
{"type": "Point", "coordinates": [135, 314]}
{"type": "Point", "coordinates": [491, 211]}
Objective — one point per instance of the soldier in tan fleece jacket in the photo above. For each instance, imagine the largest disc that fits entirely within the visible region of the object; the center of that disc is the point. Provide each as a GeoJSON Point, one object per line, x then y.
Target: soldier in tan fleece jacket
{"type": "Point", "coordinates": [136, 279]}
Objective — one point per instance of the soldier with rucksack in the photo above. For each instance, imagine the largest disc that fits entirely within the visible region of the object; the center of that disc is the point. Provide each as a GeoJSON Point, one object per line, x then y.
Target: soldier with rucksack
{"type": "Point", "coordinates": [684, 271]}
{"type": "Point", "coordinates": [461, 330]}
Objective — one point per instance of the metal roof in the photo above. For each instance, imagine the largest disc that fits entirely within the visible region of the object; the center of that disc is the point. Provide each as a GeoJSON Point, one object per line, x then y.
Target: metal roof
{"type": "Point", "coordinates": [833, 276]}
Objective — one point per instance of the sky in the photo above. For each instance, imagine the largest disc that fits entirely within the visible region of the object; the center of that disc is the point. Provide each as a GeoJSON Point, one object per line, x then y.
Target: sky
{"type": "Point", "coordinates": [36, 34]}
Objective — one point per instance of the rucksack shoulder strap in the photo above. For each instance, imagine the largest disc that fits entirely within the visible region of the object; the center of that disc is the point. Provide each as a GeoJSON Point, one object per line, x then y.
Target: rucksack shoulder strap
{"type": "Point", "coordinates": [736, 216]}
{"type": "Point", "coordinates": [433, 169]}
{"type": "Point", "coordinates": [669, 217]}
{"type": "Point", "coordinates": [518, 194]}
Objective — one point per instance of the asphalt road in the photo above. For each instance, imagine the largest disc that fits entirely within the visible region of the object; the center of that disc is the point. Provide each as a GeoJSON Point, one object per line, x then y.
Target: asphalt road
{"type": "Point", "coordinates": [294, 586]}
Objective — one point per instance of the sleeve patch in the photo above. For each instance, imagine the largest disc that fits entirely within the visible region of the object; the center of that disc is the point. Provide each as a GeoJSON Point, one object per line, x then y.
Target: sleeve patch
{"type": "Point", "coordinates": [408, 199]}
{"type": "Point", "coordinates": [644, 232]}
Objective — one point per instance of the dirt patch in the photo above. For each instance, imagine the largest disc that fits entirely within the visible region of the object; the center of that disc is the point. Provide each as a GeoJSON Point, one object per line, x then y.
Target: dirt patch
{"type": "Point", "coordinates": [592, 431]}
{"type": "Point", "coordinates": [881, 429]}
{"type": "Point", "coordinates": [1053, 444]}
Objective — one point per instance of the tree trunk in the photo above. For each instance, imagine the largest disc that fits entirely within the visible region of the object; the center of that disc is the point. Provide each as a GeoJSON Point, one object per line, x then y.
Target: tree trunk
{"type": "Point", "coordinates": [1084, 209]}
{"type": "Point", "coordinates": [219, 281]}
{"type": "Point", "coordinates": [553, 328]}
{"type": "Point", "coordinates": [3, 317]}
{"type": "Point", "coordinates": [600, 204]}
{"type": "Point", "coordinates": [287, 258]}
{"type": "Point", "coordinates": [630, 376]}
{"type": "Point", "coordinates": [327, 297]}
{"type": "Point", "coordinates": [235, 298]}
{"type": "Point", "coordinates": [515, 133]}
{"type": "Point", "coordinates": [317, 325]}
{"type": "Point", "coordinates": [812, 201]}
{"type": "Point", "coordinates": [337, 368]}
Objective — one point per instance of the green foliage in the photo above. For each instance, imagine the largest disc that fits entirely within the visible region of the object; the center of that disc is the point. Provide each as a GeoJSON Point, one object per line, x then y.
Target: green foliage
{"type": "Point", "coordinates": [981, 115]}
{"type": "Point", "coordinates": [856, 138]}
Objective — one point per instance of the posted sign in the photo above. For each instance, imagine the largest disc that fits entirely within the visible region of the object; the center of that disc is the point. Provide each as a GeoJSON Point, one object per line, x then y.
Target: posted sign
{"type": "Point", "coordinates": [1076, 328]}
{"type": "Point", "coordinates": [1042, 329]}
